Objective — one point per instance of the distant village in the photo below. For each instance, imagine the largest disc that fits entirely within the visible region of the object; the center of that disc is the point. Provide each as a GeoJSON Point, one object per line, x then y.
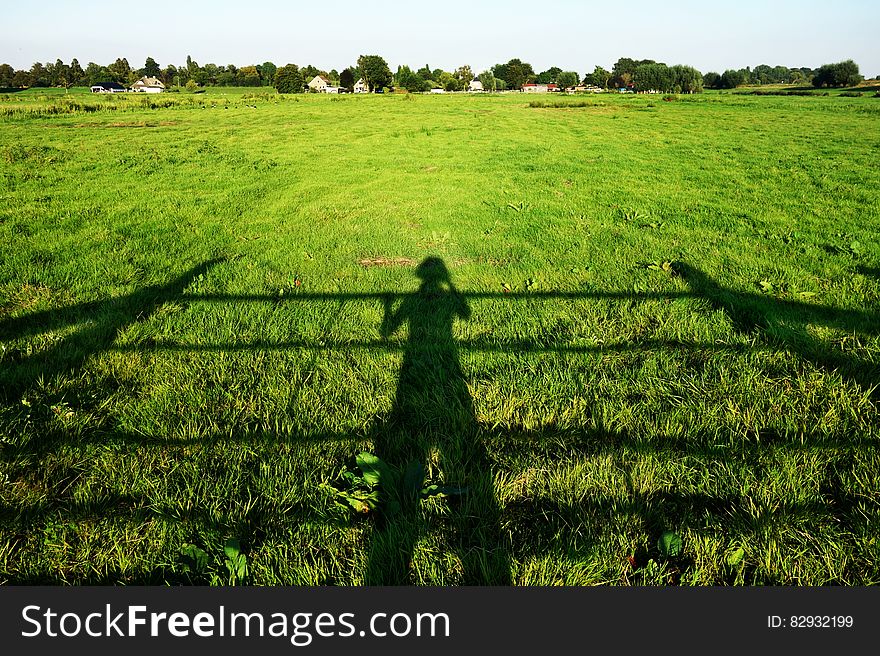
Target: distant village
{"type": "Point", "coordinates": [371, 74]}
{"type": "Point", "coordinates": [322, 84]}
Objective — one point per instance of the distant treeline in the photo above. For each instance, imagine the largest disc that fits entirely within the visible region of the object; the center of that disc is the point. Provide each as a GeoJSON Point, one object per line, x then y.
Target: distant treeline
{"type": "Point", "coordinates": [841, 74]}
{"type": "Point", "coordinates": [638, 75]}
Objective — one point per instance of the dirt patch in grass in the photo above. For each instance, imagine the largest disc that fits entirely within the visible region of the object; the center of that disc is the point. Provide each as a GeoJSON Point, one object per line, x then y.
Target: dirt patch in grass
{"type": "Point", "coordinates": [387, 262]}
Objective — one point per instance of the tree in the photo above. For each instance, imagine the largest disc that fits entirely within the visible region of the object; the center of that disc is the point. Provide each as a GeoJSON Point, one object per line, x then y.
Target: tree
{"type": "Point", "coordinates": [711, 80]}
{"type": "Point", "coordinates": [39, 77]}
{"type": "Point", "coordinates": [765, 74]}
{"type": "Point", "coordinates": [549, 76]}
{"type": "Point", "coordinates": [465, 75]}
{"type": "Point", "coordinates": [500, 72]}
{"type": "Point", "coordinates": [652, 77]}
{"type": "Point", "coordinates": [802, 75]}
{"type": "Point", "coordinates": [567, 79]}
{"type": "Point", "coordinates": [248, 76]}
{"type": "Point", "coordinates": [599, 77]}
{"type": "Point", "coordinates": [119, 70]}
{"type": "Point", "coordinates": [623, 70]}
{"type": "Point", "coordinates": [841, 74]}
{"type": "Point", "coordinates": [191, 66]}
{"type": "Point", "coordinates": [195, 72]}
{"type": "Point", "coordinates": [169, 75]}
{"type": "Point", "coordinates": [226, 78]}
{"type": "Point", "coordinates": [191, 86]}
{"type": "Point", "coordinates": [267, 73]}
{"type": "Point", "coordinates": [487, 79]}
{"type": "Point", "coordinates": [623, 73]}
{"type": "Point", "coordinates": [309, 73]}
{"type": "Point", "coordinates": [425, 73]}
{"type": "Point", "coordinates": [288, 79]}
{"type": "Point", "coordinates": [95, 73]}
{"type": "Point", "coordinates": [77, 75]}
{"type": "Point", "coordinates": [151, 68]}
{"type": "Point", "coordinates": [518, 73]}
{"type": "Point", "coordinates": [686, 79]}
{"type": "Point", "coordinates": [59, 74]}
{"type": "Point", "coordinates": [731, 79]}
{"type": "Point", "coordinates": [449, 82]}
{"type": "Point", "coordinates": [346, 78]}
{"type": "Point", "coordinates": [375, 71]}
{"type": "Point", "coordinates": [209, 74]}
{"type": "Point", "coordinates": [781, 74]}
{"type": "Point", "coordinates": [6, 75]}
{"type": "Point", "coordinates": [21, 79]}
{"type": "Point", "coordinates": [409, 80]}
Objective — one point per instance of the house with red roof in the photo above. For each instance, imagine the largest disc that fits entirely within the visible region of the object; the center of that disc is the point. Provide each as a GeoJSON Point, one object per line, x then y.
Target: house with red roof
{"type": "Point", "coordinates": [533, 87]}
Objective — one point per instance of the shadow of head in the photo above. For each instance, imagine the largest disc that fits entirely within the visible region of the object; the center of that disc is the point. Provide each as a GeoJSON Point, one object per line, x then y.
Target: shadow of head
{"type": "Point", "coordinates": [432, 269]}
{"type": "Point", "coordinates": [433, 273]}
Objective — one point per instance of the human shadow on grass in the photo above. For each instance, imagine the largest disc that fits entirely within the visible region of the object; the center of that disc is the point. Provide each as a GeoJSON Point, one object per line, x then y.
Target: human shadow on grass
{"type": "Point", "coordinates": [433, 425]}
{"type": "Point", "coordinates": [433, 414]}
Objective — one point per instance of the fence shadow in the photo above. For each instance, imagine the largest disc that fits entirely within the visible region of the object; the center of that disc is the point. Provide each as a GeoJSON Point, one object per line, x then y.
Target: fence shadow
{"type": "Point", "coordinates": [784, 323]}
{"type": "Point", "coordinates": [432, 417]}
{"type": "Point", "coordinates": [101, 322]}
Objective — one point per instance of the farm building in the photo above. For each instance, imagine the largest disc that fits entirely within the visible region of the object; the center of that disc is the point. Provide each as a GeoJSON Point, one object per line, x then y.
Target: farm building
{"type": "Point", "coordinates": [475, 85]}
{"type": "Point", "coordinates": [531, 87]}
{"type": "Point", "coordinates": [319, 83]}
{"type": "Point", "coordinates": [361, 87]}
{"type": "Point", "coordinates": [107, 87]}
{"type": "Point", "coordinates": [148, 85]}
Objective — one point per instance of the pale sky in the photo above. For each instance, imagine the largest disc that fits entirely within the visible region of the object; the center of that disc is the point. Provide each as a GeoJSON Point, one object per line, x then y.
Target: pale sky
{"type": "Point", "coordinates": [332, 33]}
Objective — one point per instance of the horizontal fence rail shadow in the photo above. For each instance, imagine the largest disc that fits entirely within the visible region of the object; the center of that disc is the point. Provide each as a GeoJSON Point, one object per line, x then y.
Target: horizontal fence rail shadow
{"type": "Point", "coordinates": [431, 364]}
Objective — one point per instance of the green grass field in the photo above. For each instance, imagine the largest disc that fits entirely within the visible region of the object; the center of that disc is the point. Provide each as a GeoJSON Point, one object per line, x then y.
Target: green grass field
{"type": "Point", "coordinates": [584, 326]}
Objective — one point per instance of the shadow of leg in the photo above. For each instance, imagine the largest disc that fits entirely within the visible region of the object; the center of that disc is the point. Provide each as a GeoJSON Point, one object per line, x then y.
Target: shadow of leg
{"type": "Point", "coordinates": [400, 524]}
{"type": "Point", "coordinates": [476, 514]}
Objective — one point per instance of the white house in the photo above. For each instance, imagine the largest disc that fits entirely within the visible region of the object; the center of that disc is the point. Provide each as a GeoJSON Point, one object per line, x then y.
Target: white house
{"type": "Point", "coordinates": [148, 85]}
{"type": "Point", "coordinates": [319, 83]}
{"type": "Point", "coordinates": [361, 87]}
{"type": "Point", "coordinates": [475, 85]}
{"type": "Point", "coordinates": [107, 87]}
